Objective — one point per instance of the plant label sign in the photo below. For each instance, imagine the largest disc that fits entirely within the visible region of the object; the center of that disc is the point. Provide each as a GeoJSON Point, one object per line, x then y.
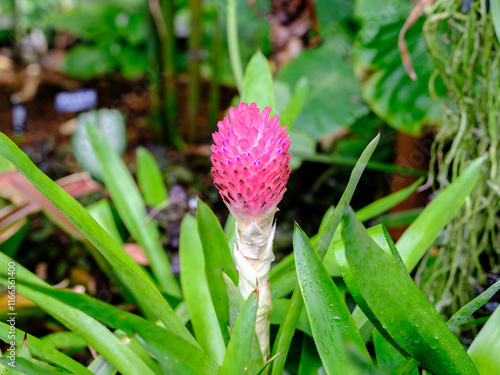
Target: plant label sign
{"type": "Point", "coordinates": [19, 117]}
{"type": "Point", "coordinates": [76, 101]}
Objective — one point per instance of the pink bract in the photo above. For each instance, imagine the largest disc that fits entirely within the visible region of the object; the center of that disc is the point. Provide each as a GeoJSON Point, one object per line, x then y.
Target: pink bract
{"type": "Point", "coordinates": [250, 162]}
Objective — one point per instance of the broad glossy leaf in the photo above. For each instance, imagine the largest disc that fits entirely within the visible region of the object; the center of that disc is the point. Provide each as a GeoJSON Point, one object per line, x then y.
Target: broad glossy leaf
{"type": "Point", "coordinates": [150, 179]}
{"type": "Point", "coordinates": [334, 100]}
{"type": "Point", "coordinates": [258, 83]}
{"type": "Point", "coordinates": [239, 349]}
{"type": "Point", "coordinates": [404, 104]}
{"type": "Point", "coordinates": [93, 332]}
{"type": "Point", "coordinates": [331, 323]}
{"type": "Point", "coordinates": [486, 346]}
{"type": "Point", "coordinates": [197, 295]}
{"type": "Point", "coordinates": [130, 205]}
{"type": "Point", "coordinates": [466, 311]}
{"type": "Point", "coordinates": [398, 304]}
{"type": "Point", "coordinates": [417, 239]}
{"type": "Point", "coordinates": [130, 274]}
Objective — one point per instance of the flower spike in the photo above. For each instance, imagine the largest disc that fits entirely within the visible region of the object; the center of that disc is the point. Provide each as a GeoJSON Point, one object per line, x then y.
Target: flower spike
{"type": "Point", "coordinates": [251, 169]}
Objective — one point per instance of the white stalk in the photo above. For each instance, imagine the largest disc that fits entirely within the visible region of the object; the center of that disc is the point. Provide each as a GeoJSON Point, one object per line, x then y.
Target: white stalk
{"type": "Point", "coordinates": [253, 255]}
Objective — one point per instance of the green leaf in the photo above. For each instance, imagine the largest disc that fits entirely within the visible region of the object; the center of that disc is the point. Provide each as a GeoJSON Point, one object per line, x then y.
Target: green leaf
{"type": "Point", "coordinates": [230, 232]}
{"type": "Point", "coordinates": [111, 122]}
{"type": "Point", "coordinates": [150, 179]}
{"type": "Point", "coordinates": [404, 104]}
{"type": "Point", "coordinates": [466, 311]}
{"type": "Point", "coordinates": [331, 323]}
{"type": "Point", "coordinates": [218, 259]}
{"type": "Point", "coordinates": [334, 100]}
{"type": "Point", "coordinates": [236, 303]}
{"type": "Point", "coordinates": [417, 239]}
{"type": "Point", "coordinates": [93, 332]}
{"type": "Point", "coordinates": [197, 294]}
{"type": "Point", "coordinates": [239, 349]}
{"type": "Point", "coordinates": [235, 300]}
{"type": "Point", "coordinates": [131, 275]}
{"type": "Point", "coordinates": [295, 104]}
{"type": "Point", "coordinates": [258, 83]}
{"type": "Point", "coordinates": [129, 204]}
{"type": "Point", "coordinates": [486, 346]}
{"type": "Point", "coordinates": [398, 304]}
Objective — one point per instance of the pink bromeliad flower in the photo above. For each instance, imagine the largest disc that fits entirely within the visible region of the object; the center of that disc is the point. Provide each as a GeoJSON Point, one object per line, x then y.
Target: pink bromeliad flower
{"type": "Point", "coordinates": [250, 162]}
{"type": "Point", "coordinates": [250, 168]}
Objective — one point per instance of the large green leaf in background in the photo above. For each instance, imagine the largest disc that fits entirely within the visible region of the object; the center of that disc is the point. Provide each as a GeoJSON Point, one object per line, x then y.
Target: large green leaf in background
{"type": "Point", "coordinates": [334, 99]}
{"type": "Point", "coordinates": [404, 104]}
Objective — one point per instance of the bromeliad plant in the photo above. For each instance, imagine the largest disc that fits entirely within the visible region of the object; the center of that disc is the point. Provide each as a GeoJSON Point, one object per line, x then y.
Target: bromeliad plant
{"type": "Point", "coordinates": [405, 329]}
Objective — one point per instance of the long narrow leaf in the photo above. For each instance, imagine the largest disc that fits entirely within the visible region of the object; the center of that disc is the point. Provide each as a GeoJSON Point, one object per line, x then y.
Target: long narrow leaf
{"type": "Point", "coordinates": [331, 323]}
{"type": "Point", "coordinates": [194, 284]}
{"type": "Point", "coordinates": [150, 179]}
{"type": "Point", "coordinates": [466, 311]}
{"type": "Point", "coordinates": [239, 349]}
{"type": "Point", "coordinates": [129, 204]}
